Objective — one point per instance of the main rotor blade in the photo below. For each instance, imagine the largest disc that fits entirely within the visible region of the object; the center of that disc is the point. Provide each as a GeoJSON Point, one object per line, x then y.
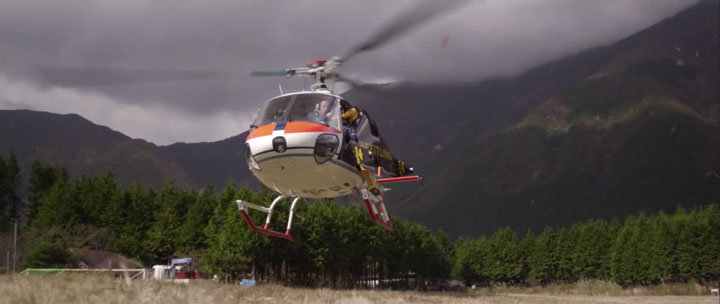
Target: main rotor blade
{"type": "Point", "coordinates": [111, 76]}
{"type": "Point", "coordinates": [424, 11]}
{"type": "Point", "coordinates": [352, 82]}
{"type": "Point", "coordinates": [361, 86]}
{"type": "Point", "coordinates": [270, 73]}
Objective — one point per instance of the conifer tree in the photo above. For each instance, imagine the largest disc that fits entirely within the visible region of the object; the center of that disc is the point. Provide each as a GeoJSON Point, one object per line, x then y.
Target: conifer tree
{"type": "Point", "coordinates": [224, 199]}
{"type": "Point", "coordinates": [10, 194]}
{"type": "Point", "coordinates": [542, 261]}
{"type": "Point", "coordinates": [564, 245]}
{"type": "Point", "coordinates": [709, 260]}
{"type": "Point", "coordinates": [59, 207]}
{"type": "Point", "coordinates": [42, 178]}
{"type": "Point", "coordinates": [472, 261]}
{"type": "Point", "coordinates": [192, 231]}
{"type": "Point", "coordinates": [684, 227]}
{"type": "Point", "coordinates": [527, 247]}
{"type": "Point", "coordinates": [163, 236]}
{"type": "Point", "coordinates": [624, 259]}
{"type": "Point", "coordinates": [4, 189]}
{"type": "Point", "coordinates": [505, 256]}
{"type": "Point", "coordinates": [128, 216]}
{"type": "Point", "coordinates": [593, 241]}
{"type": "Point", "coordinates": [447, 255]}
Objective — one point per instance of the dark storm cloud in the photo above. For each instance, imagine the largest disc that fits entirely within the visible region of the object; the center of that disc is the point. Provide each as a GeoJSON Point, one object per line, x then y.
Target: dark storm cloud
{"type": "Point", "coordinates": [479, 40]}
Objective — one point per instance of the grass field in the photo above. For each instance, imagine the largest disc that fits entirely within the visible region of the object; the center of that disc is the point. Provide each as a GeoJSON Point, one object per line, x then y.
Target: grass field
{"type": "Point", "coordinates": [80, 289]}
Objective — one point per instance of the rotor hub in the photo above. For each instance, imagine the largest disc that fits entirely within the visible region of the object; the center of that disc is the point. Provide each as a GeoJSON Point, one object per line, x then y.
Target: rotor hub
{"type": "Point", "coordinates": [316, 63]}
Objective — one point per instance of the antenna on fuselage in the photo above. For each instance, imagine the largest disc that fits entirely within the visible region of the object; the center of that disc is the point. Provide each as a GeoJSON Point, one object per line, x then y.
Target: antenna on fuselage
{"type": "Point", "coordinates": [280, 87]}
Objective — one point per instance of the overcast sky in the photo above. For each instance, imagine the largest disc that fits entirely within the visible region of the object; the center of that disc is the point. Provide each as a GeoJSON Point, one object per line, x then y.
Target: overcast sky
{"type": "Point", "coordinates": [478, 40]}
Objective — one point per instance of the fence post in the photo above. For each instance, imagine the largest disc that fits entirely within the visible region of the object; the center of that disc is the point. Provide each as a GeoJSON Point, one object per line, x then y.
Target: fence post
{"type": "Point", "coordinates": [15, 245]}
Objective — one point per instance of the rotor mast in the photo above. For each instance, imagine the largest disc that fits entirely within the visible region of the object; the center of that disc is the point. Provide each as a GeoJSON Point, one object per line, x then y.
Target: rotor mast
{"type": "Point", "coordinates": [319, 70]}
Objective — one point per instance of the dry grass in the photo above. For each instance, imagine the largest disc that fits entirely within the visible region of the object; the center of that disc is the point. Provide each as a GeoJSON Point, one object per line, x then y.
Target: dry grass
{"type": "Point", "coordinates": [601, 288]}
{"type": "Point", "coordinates": [103, 289]}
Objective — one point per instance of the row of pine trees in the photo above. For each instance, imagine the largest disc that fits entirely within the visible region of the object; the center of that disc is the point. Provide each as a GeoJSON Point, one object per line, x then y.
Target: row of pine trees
{"type": "Point", "coordinates": [644, 250]}
{"type": "Point", "coordinates": [337, 245]}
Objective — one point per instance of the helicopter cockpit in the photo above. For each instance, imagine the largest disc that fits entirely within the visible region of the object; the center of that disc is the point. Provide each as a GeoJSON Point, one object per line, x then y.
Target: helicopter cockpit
{"type": "Point", "coordinates": [311, 107]}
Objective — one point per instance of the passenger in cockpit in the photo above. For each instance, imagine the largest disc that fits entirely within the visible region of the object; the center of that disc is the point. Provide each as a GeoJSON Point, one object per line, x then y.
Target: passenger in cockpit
{"type": "Point", "coordinates": [321, 113]}
{"type": "Point", "coordinates": [349, 116]}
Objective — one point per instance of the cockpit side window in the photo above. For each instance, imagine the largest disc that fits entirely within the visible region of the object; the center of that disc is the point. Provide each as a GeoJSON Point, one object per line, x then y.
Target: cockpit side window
{"type": "Point", "coordinates": [367, 129]}
{"type": "Point", "coordinates": [363, 127]}
{"type": "Point", "coordinates": [373, 127]}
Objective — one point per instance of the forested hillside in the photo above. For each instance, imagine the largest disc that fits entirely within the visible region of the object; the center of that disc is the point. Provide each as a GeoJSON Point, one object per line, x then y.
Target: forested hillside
{"type": "Point", "coordinates": [339, 246]}
{"type": "Point", "coordinates": [637, 131]}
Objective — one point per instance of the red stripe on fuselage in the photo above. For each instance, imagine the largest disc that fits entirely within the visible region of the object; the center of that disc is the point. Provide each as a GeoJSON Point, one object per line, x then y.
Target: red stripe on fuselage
{"type": "Point", "coordinates": [305, 126]}
{"type": "Point", "coordinates": [261, 131]}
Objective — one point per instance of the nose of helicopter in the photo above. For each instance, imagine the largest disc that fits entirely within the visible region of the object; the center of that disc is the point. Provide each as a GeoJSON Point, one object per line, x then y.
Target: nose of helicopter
{"type": "Point", "coordinates": [291, 136]}
{"type": "Point", "coordinates": [300, 159]}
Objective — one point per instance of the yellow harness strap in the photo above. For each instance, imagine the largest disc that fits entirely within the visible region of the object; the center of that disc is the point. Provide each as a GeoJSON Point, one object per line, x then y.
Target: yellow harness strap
{"type": "Point", "coordinates": [350, 115]}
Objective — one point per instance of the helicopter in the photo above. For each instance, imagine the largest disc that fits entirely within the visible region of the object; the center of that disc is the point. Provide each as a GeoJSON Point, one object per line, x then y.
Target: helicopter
{"type": "Point", "coordinates": [316, 145]}
{"type": "Point", "coordinates": [311, 144]}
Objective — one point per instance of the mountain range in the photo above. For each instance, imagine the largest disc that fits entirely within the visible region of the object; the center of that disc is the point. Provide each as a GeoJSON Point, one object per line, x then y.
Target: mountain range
{"type": "Point", "coordinates": [607, 132]}
{"type": "Point", "coordinates": [83, 147]}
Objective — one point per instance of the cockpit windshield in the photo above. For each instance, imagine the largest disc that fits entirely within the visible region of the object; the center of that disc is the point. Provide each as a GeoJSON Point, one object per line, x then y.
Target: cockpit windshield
{"type": "Point", "coordinates": [319, 108]}
{"type": "Point", "coordinates": [274, 110]}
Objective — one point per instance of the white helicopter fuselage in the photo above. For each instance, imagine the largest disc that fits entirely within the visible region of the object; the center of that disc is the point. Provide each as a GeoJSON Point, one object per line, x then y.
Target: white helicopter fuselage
{"type": "Point", "coordinates": [283, 156]}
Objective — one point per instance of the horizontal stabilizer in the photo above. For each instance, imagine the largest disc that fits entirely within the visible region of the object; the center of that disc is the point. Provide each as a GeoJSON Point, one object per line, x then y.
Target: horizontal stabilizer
{"type": "Point", "coordinates": [409, 178]}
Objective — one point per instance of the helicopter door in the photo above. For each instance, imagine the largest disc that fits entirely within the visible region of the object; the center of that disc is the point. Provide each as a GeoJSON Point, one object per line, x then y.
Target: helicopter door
{"type": "Point", "coordinates": [367, 130]}
{"type": "Point", "coordinates": [367, 136]}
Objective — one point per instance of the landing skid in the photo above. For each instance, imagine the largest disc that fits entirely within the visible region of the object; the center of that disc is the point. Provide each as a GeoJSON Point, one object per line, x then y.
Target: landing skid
{"type": "Point", "coordinates": [376, 209]}
{"type": "Point", "coordinates": [374, 204]}
{"type": "Point", "coordinates": [243, 206]}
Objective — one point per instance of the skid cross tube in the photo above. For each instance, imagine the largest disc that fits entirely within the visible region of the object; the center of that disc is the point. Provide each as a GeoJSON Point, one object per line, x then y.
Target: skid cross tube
{"type": "Point", "coordinates": [243, 207]}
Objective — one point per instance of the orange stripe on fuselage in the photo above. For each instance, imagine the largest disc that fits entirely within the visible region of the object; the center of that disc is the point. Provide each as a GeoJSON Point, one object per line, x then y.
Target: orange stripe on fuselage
{"type": "Point", "coordinates": [305, 126]}
{"type": "Point", "coordinates": [261, 131]}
